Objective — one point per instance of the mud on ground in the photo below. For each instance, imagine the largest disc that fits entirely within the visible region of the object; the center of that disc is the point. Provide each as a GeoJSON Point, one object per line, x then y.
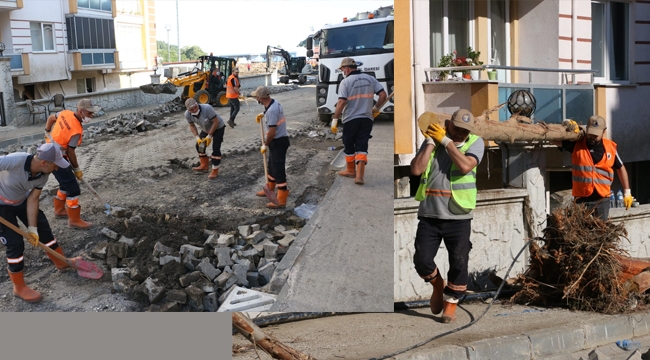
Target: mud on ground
{"type": "Point", "coordinates": [145, 175]}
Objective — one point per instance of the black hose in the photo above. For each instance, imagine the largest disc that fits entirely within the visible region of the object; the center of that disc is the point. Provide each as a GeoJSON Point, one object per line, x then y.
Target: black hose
{"type": "Point", "coordinates": [288, 317]}
{"type": "Point", "coordinates": [471, 323]}
{"type": "Point", "coordinates": [404, 305]}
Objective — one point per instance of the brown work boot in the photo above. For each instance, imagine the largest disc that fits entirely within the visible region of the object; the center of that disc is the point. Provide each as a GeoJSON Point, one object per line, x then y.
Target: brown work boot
{"type": "Point", "coordinates": [59, 208]}
{"type": "Point", "coordinates": [349, 170]}
{"type": "Point", "coordinates": [205, 164]}
{"type": "Point", "coordinates": [21, 290]}
{"type": "Point", "coordinates": [436, 297]}
{"type": "Point", "coordinates": [282, 200]}
{"type": "Point", "coordinates": [60, 265]}
{"type": "Point", "coordinates": [74, 219]}
{"type": "Point", "coordinates": [449, 312]}
{"type": "Point", "coordinates": [269, 185]}
{"type": "Point", "coordinates": [361, 169]}
{"type": "Point", "coordinates": [213, 174]}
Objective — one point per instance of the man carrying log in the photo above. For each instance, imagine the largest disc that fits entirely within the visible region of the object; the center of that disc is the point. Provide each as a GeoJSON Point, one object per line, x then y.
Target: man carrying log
{"type": "Point", "coordinates": [593, 161]}
{"type": "Point", "coordinates": [447, 163]}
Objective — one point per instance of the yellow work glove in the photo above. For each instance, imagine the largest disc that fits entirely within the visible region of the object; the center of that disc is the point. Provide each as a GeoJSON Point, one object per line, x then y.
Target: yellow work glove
{"type": "Point", "coordinates": [428, 139]}
{"type": "Point", "coordinates": [572, 126]}
{"type": "Point", "coordinates": [263, 149]}
{"type": "Point", "coordinates": [78, 173]}
{"type": "Point", "coordinates": [47, 135]}
{"type": "Point", "coordinates": [198, 140]}
{"type": "Point", "coordinates": [208, 140]}
{"type": "Point", "coordinates": [438, 133]}
{"type": "Point", "coordinates": [259, 117]}
{"type": "Point", "coordinates": [241, 97]}
{"type": "Point", "coordinates": [375, 112]}
{"type": "Point", "coordinates": [334, 125]}
{"type": "Point", "coordinates": [627, 200]}
{"type": "Point", "coordinates": [32, 231]}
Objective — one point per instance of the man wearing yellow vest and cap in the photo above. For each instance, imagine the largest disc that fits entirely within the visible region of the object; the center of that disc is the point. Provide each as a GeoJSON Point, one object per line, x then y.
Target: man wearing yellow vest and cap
{"type": "Point", "coordinates": [66, 130]}
{"type": "Point", "coordinates": [593, 161]}
{"type": "Point", "coordinates": [447, 162]}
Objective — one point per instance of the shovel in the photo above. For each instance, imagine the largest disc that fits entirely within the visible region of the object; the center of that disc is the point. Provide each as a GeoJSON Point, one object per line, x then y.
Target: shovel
{"type": "Point", "coordinates": [269, 194]}
{"type": "Point", "coordinates": [84, 268]}
{"type": "Point", "coordinates": [106, 206]}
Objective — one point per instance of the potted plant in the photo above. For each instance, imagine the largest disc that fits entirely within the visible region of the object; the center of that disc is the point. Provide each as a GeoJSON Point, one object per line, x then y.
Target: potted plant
{"type": "Point", "coordinates": [462, 61]}
{"type": "Point", "coordinates": [473, 57]}
{"type": "Point", "coordinates": [445, 61]}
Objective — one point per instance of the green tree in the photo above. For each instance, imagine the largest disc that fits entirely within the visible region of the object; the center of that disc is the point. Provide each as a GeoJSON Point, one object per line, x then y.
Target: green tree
{"type": "Point", "coordinates": [191, 52]}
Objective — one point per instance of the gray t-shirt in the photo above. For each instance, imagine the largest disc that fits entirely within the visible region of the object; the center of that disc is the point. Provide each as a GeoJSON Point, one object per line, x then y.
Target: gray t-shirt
{"type": "Point", "coordinates": [359, 90]}
{"type": "Point", "coordinates": [204, 118]}
{"type": "Point", "coordinates": [274, 117]}
{"type": "Point", "coordinates": [440, 207]}
{"type": "Point", "coordinates": [16, 181]}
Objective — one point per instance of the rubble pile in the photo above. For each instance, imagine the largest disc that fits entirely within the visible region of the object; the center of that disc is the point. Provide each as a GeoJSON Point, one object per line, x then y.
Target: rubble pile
{"type": "Point", "coordinates": [171, 272]}
{"type": "Point", "coordinates": [578, 265]}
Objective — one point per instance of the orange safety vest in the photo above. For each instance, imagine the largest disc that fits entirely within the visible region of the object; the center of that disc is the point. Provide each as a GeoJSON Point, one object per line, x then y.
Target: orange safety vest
{"type": "Point", "coordinates": [230, 90]}
{"type": "Point", "coordinates": [66, 126]}
{"type": "Point", "coordinates": [589, 177]}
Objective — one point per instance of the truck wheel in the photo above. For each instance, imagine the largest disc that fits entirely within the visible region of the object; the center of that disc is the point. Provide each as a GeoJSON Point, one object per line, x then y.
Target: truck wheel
{"type": "Point", "coordinates": [222, 100]}
{"type": "Point", "coordinates": [202, 97]}
{"type": "Point", "coordinates": [302, 79]}
{"type": "Point", "coordinates": [325, 118]}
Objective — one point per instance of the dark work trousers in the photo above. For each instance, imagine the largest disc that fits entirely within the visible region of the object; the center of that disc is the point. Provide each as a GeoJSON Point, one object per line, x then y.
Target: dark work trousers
{"type": "Point", "coordinates": [14, 241]}
{"type": "Point", "coordinates": [67, 181]}
{"type": "Point", "coordinates": [234, 108]}
{"type": "Point", "coordinates": [277, 159]}
{"type": "Point", "coordinates": [356, 134]}
{"type": "Point", "coordinates": [455, 234]}
{"type": "Point", "coordinates": [600, 207]}
{"type": "Point", "coordinates": [217, 140]}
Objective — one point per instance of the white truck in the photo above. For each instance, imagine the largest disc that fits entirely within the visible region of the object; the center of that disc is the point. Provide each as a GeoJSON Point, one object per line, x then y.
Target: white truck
{"type": "Point", "coordinates": [368, 39]}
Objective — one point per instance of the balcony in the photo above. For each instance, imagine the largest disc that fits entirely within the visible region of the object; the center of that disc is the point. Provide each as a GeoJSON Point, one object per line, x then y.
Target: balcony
{"type": "Point", "coordinates": [100, 59]}
{"type": "Point", "coordinates": [9, 5]}
{"type": "Point", "coordinates": [19, 62]}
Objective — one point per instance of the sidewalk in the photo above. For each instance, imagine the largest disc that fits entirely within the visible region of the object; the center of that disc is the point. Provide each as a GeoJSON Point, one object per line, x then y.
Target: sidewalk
{"type": "Point", "coordinates": [342, 260]}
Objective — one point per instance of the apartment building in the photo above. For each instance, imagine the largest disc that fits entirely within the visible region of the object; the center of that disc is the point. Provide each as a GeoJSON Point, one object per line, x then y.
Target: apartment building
{"type": "Point", "coordinates": [74, 47]}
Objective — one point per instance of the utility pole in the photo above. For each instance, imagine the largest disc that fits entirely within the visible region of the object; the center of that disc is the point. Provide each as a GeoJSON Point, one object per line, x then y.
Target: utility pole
{"type": "Point", "coordinates": [178, 33]}
{"type": "Point", "coordinates": [169, 55]}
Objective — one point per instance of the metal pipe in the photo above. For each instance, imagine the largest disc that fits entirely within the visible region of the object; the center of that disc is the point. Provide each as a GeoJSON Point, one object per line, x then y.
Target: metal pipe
{"type": "Point", "coordinates": [178, 32]}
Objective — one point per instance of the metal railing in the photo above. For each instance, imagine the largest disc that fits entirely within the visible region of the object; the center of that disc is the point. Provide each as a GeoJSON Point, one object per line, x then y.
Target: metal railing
{"type": "Point", "coordinates": [432, 73]}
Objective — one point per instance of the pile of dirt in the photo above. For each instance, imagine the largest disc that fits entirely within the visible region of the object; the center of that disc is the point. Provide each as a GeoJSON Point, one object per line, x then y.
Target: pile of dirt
{"type": "Point", "coordinates": [578, 265]}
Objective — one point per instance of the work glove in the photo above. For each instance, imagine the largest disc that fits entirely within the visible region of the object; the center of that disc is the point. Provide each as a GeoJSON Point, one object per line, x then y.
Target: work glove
{"type": "Point", "coordinates": [32, 231]}
{"type": "Point", "coordinates": [259, 117]}
{"type": "Point", "coordinates": [48, 135]}
{"type": "Point", "coordinates": [571, 126]}
{"type": "Point", "coordinates": [627, 200]}
{"type": "Point", "coordinates": [375, 112]}
{"type": "Point", "coordinates": [198, 140]}
{"type": "Point", "coordinates": [208, 140]}
{"type": "Point", "coordinates": [438, 133]}
{"type": "Point", "coordinates": [428, 140]}
{"type": "Point", "coordinates": [334, 125]}
{"type": "Point", "coordinates": [78, 173]}
{"type": "Point", "coordinates": [241, 97]}
{"type": "Point", "coordinates": [263, 149]}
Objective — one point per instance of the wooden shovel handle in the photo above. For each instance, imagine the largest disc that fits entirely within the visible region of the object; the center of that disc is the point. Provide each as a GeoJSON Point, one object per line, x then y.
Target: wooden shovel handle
{"type": "Point", "coordinates": [92, 190]}
{"type": "Point", "coordinates": [266, 170]}
{"type": "Point", "coordinates": [41, 245]}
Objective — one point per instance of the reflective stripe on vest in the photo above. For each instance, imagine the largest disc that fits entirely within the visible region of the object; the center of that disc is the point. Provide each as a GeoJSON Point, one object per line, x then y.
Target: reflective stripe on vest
{"type": "Point", "coordinates": [463, 186]}
{"type": "Point", "coordinates": [230, 90]}
{"type": "Point", "coordinates": [588, 177]}
{"type": "Point", "coordinates": [65, 127]}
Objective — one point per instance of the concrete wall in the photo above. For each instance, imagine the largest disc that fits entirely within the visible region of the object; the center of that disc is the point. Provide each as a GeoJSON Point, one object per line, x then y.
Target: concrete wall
{"type": "Point", "coordinates": [498, 233]}
{"type": "Point", "coordinates": [538, 39]}
{"type": "Point", "coordinates": [637, 223]}
{"type": "Point", "coordinates": [250, 83]}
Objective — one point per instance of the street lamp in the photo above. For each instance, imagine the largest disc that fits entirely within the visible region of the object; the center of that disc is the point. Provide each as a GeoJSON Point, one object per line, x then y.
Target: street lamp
{"type": "Point", "coordinates": [2, 49]}
{"type": "Point", "coordinates": [169, 55]}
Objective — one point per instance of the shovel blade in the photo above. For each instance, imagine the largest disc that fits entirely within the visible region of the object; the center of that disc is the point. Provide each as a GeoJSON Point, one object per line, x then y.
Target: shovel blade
{"type": "Point", "coordinates": [271, 195]}
{"type": "Point", "coordinates": [88, 270]}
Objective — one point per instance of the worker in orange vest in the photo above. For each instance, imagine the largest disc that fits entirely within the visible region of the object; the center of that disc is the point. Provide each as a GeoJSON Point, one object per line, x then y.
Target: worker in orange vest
{"type": "Point", "coordinates": [233, 93]}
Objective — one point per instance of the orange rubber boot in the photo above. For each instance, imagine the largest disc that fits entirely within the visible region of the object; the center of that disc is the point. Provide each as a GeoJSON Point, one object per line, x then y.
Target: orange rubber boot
{"type": "Point", "coordinates": [21, 290]}
{"type": "Point", "coordinates": [436, 297]}
{"type": "Point", "coordinates": [349, 170]}
{"type": "Point", "coordinates": [361, 169]}
{"type": "Point", "coordinates": [282, 200]}
{"type": "Point", "coordinates": [74, 219]}
{"type": "Point", "coordinates": [205, 164]}
{"type": "Point", "coordinates": [61, 265]}
{"type": "Point", "coordinates": [270, 185]}
{"type": "Point", "coordinates": [449, 312]}
{"type": "Point", "coordinates": [59, 208]}
{"type": "Point", "coordinates": [213, 174]}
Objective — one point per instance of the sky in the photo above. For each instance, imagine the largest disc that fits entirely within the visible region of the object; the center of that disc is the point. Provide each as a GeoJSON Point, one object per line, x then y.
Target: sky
{"type": "Point", "coordinates": [229, 27]}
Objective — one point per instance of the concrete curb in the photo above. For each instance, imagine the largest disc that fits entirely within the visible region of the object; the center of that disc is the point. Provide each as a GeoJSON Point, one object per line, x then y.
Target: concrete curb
{"type": "Point", "coordinates": [543, 343]}
{"type": "Point", "coordinates": [40, 135]}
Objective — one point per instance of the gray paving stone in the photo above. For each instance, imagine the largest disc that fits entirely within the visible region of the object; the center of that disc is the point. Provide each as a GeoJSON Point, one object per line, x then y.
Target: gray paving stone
{"type": "Point", "coordinates": [546, 342]}
{"type": "Point", "coordinates": [507, 347]}
{"type": "Point", "coordinates": [608, 330]}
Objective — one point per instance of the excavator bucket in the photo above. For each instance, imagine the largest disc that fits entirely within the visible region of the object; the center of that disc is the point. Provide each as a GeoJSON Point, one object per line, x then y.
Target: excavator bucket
{"type": "Point", "coordinates": [166, 88]}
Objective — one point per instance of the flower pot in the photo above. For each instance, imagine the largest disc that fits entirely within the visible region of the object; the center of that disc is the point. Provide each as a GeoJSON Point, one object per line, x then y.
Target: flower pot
{"type": "Point", "coordinates": [492, 75]}
{"type": "Point", "coordinates": [476, 74]}
{"type": "Point", "coordinates": [467, 76]}
{"type": "Point", "coordinates": [458, 74]}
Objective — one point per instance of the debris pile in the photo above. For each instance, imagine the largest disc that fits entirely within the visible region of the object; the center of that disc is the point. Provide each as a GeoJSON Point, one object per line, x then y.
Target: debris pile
{"type": "Point", "coordinates": [169, 271]}
{"type": "Point", "coordinates": [579, 264]}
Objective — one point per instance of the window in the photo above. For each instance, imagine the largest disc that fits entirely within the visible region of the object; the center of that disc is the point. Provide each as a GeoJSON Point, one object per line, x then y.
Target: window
{"type": "Point", "coordinates": [449, 27]}
{"type": "Point", "coordinates": [85, 85]}
{"type": "Point", "coordinates": [104, 5]}
{"type": "Point", "coordinates": [42, 36]}
{"type": "Point", "coordinates": [90, 33]}
{"type": "Point", "coordinates": [610, 40]}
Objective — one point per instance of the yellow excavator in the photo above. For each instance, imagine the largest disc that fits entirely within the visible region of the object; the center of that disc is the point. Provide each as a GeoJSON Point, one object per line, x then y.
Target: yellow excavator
{"type": "Point", "coordinates": [206, 82]}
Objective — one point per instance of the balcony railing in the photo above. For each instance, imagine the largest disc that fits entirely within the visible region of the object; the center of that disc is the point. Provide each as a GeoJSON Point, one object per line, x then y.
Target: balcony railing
{"type": "Point", "coordinates": [566, 100]}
